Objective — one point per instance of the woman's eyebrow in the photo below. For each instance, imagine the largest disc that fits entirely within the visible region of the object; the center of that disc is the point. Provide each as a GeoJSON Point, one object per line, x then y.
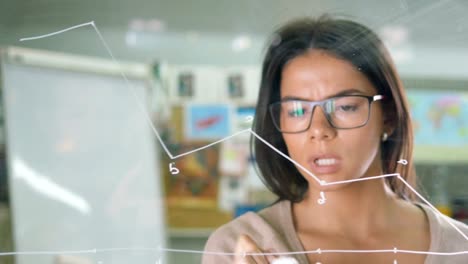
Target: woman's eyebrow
{"type": "Point", "coordinates": [350, 91]}
{"type": "Point", "coordinates": [290, 98]}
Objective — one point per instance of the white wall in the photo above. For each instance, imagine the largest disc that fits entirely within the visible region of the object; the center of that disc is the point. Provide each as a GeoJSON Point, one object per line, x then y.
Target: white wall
{"type": "Point", "coordinates": [214, 49]}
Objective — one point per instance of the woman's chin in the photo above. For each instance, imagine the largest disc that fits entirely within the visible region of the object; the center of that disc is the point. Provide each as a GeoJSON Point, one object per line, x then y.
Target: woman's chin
{"type": "Point", "coordinates": [327, 188]}
{"type": "Point", "coordinates": [328, 182]}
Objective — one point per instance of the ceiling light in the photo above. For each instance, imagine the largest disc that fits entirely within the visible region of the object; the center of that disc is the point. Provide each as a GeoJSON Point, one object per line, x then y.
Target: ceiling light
{"type": "Point", "coordinates": [394, 35]}
{"type": "Point", "coordinates": [241, 43]}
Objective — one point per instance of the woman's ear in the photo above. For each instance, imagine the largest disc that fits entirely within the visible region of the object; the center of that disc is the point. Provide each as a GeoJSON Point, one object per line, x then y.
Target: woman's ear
{"type": "Point", "coordinates": [389, 121]}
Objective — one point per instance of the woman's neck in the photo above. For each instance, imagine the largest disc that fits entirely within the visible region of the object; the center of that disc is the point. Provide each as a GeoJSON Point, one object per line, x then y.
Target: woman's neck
{"type": "Point", "coordinates": [357, 209]}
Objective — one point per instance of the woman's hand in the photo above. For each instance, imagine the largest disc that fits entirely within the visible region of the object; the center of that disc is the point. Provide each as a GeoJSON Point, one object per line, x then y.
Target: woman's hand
{"type": "Point", "coordinates": [246, 245]}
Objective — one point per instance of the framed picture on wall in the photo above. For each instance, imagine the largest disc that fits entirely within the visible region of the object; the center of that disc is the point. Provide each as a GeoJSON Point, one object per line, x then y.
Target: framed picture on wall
{"type": "Point", "coordinates": [185, 85]}
{"type": "Point", "coordinates": [235, 84]}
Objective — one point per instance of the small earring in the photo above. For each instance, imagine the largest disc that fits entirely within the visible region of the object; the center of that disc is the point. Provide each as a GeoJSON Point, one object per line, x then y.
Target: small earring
{"type": "Point", "coordinates": [384, 137]}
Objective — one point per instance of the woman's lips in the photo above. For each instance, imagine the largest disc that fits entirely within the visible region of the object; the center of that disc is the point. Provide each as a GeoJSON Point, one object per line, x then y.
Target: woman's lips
{"type": "Point", "coordinates": [324, 165]}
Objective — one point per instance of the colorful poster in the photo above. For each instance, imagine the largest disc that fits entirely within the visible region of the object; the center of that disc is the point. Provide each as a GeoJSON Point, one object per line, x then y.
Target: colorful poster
{"type": "Point", "coordinates": [234, 155]}
{"type": "Point", "coordinates": [192, 188]}
{"type": "Point", "coordinates": [244, 117]}
{"type": "Point", "coordinates": [207, 122]}
{"type": "Point", "coordinates": [439, 118]}
{"type": "Point", "coordinates": [195, 176]}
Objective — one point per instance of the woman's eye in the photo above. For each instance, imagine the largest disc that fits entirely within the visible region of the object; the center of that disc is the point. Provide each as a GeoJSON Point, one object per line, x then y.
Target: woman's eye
{"type": "Point", "coordinates": [347, 108]}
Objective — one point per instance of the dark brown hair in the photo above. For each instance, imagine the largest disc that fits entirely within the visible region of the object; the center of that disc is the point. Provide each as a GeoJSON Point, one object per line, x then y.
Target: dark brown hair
{"type": "Point", "coordinates": [349, 41]}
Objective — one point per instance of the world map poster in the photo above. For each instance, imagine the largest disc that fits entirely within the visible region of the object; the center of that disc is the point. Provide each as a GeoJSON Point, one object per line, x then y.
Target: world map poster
{"type": "Point", "coordinates": [440, 123]}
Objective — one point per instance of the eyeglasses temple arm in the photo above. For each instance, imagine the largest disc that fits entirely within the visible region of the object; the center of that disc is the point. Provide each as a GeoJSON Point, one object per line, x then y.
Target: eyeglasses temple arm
{"type": "Point", "coordinates": [377, 97]}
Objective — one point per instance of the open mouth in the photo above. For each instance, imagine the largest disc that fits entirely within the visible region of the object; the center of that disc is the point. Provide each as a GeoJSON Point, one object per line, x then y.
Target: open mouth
{"type": "Point", "coordinates": [325, 162]}
{"type": "Point", "coordinates": [325, 165]}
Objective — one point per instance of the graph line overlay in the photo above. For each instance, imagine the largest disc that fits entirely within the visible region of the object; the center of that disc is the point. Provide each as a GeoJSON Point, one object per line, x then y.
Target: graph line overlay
{"type": "Point", "coordinates": [322, 183]}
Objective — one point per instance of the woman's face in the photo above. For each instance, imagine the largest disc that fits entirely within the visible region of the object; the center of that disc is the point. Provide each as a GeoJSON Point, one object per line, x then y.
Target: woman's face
{"type": "Point", "coordinates": [332, 154]}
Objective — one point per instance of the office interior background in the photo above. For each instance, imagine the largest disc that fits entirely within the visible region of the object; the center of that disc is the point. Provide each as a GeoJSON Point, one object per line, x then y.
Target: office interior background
{"type": "Point", "coordinates": [104, 124]}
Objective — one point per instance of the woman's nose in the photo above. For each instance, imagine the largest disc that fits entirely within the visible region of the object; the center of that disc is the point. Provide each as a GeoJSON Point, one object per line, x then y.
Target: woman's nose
{"type": "Point", "coordinates": [320, 127]}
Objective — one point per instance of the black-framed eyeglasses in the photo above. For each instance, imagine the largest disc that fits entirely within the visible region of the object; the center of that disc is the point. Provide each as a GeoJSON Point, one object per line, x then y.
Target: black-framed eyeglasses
{"type": "Point", "coordinates": [342, 112]}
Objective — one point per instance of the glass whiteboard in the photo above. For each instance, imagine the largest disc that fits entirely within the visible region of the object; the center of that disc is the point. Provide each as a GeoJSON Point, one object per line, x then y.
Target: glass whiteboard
{"type": "Point", "coordinates": [83, 170]}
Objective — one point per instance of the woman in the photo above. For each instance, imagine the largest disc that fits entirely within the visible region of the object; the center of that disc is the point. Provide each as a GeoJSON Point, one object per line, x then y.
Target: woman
{"type": "Point", "coordinates": [331, 100]}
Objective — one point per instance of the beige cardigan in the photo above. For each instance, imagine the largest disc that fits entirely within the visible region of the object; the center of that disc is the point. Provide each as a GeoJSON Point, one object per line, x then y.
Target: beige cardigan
{"type": "Point", "coordinates": [273, 228]}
